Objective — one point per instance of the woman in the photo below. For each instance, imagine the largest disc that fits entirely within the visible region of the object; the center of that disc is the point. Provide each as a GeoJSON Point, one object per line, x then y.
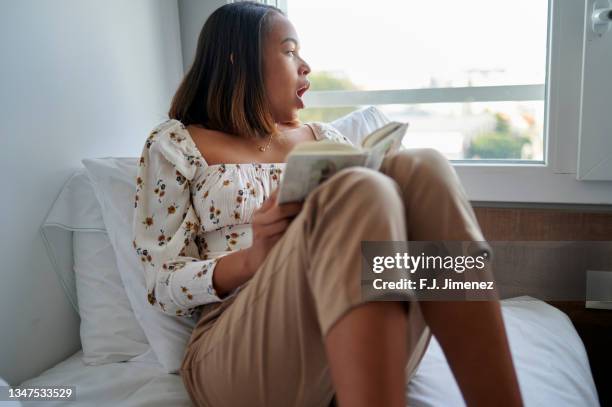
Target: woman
{"type": "Point", "coordinates": [278, 286]}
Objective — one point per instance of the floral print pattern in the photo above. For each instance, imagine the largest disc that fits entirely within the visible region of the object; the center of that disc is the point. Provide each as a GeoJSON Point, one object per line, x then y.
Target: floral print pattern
{"type": "Point", "coordinates": [188, 214]}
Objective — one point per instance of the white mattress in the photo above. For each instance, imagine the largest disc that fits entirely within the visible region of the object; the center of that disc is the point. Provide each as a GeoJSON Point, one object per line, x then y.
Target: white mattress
{"type": "Point", "coordinates": [550, 359]}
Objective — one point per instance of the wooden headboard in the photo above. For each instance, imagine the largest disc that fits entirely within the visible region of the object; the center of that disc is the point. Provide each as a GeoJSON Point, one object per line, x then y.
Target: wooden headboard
{"type": "Point", "coordinates": [528, 223]}
{"type": "Point", "coordinates": [560, 224]}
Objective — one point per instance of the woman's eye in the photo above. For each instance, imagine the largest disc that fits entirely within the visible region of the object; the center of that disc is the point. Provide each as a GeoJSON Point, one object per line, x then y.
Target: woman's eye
{"type": "Point", "coordinates": [292, 53]}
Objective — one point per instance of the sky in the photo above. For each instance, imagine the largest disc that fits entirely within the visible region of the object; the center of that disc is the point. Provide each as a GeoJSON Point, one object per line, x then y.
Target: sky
{"type": "Point", "coordinates": [403, 44]}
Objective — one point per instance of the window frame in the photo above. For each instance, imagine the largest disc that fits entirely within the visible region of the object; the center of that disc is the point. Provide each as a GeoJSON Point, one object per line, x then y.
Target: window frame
{"type": "Point", "coordinates": [552, 180]}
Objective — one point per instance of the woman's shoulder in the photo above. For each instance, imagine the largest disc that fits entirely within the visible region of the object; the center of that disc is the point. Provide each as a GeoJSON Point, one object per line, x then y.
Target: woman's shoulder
{"type": "Point", "coordinates": [327, 131]}
{"type": "Point", "coordinates": [171, 139]}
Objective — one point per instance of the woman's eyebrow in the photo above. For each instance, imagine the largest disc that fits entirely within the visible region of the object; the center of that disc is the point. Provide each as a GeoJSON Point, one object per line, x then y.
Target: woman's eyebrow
{"type": "Point", "coordinates": [290, 39]}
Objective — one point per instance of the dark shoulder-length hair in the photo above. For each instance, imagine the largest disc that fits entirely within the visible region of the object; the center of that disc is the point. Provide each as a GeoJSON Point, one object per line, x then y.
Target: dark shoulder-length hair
{"type": "Point", "coordinates": [224, 87]}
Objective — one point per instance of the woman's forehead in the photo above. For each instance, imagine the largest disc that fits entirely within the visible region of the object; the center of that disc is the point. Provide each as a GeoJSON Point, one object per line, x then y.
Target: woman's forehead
{"type": "Point", "coordinates": [281, 30]}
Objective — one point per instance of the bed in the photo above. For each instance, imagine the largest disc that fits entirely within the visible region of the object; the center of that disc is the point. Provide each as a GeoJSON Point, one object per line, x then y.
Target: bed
{"type": "Point", "coordinates": [551, 363]}
{"type": "Point", "coordinates": [130, 353]}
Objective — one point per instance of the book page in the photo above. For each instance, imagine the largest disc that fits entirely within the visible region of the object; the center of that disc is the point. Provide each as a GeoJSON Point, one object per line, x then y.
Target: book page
{"type": "Point", "coordinates": [387, 145]}
{"type": "Point", "coordinates": [371, 139]}
{"type": "Point", "coordinates": [325, 147]}
{"type": "Point", "coordinates": [304, 173]}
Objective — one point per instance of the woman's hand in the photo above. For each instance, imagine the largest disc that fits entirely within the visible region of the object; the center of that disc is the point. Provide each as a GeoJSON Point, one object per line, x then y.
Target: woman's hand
{"type": "Point", "coordinates": [269, 223]}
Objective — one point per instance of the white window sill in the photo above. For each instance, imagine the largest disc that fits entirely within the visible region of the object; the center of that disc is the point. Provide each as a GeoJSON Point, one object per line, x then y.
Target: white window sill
{"type": "Point", "coordinates": [530, 183]}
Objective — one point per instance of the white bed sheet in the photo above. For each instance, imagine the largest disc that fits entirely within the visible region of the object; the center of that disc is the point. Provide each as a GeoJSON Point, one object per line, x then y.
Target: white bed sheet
{"type": "Point", "coordinates": [550, 359]}
{"type": "Point", "coordinates": [128, 384]}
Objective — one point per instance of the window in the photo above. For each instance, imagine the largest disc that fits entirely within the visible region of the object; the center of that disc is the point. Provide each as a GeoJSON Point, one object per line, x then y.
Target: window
{"type": "Point", "coordinates": [471, 87]}
{"type": "Point", "coordinates": [494, 85]}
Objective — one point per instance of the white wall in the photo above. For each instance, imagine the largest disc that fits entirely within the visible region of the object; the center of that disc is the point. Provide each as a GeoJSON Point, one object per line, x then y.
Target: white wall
{"type": "Point", "coordinates": [78, 79]}
{"type": "Point", "coordinates": [193, 14]}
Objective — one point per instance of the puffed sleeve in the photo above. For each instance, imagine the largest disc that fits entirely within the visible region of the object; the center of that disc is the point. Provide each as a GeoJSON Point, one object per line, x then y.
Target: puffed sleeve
{"type": "Point", "coordinates": [166, 225]}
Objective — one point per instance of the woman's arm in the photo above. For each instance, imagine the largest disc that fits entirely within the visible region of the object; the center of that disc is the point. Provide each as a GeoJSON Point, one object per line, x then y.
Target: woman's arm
{"type": "Point", "coordinates": [269, 224]}
{"type": "Point", "coordinates": [231, 272]}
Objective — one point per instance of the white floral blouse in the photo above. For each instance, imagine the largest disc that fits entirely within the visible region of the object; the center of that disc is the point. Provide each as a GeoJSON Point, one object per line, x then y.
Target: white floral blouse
{"type": "Point", "coordinates": [188, 214]}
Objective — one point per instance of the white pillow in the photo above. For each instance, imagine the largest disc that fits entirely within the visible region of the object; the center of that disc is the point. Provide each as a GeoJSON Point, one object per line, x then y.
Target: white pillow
{"type": "Point", "coordinates": [75, 208]}
{"type": "Point", "coordinates": [114, 181]}
{"type": "Point", "coordinates": [358, 124]}
{"type": "Point", "coordinates": [75, 237]}
{"type": "Point", "coordinates": [109, 330]}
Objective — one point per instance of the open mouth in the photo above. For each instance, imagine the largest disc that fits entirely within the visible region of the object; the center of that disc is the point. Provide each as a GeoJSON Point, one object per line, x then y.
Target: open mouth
{"type": "Point", "coordinates": [303, 90]}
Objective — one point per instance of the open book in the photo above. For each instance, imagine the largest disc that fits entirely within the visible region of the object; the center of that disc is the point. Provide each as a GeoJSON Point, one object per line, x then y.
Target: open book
{"type": "Point", "coordinates": [312, 162]}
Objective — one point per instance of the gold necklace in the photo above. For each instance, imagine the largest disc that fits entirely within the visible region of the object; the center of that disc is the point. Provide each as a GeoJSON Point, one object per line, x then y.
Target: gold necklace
{"type": "Point", "coordinates": [264, 149]}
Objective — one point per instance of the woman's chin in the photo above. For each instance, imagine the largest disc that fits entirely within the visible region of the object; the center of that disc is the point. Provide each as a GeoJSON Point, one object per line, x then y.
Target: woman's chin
{"type": "Point", "coordinates": [288, 117]}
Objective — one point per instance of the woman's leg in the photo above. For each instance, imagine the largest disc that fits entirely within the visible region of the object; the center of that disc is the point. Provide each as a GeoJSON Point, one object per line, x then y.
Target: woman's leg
{"type": "Point", "coordinates": [268, 347]}
{"type": "Point", "coordinates": [367, 355]}
{"type": "Point", "coordinates": [471, 333]}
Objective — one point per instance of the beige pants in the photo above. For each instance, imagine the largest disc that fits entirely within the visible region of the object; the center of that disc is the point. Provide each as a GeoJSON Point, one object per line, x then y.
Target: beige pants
{"type": "Point", "coordinates": [265, 346]}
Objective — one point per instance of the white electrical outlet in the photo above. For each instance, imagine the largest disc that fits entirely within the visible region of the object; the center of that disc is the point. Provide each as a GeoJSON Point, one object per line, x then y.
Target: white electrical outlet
{"type": "Point", "coordinates": [599, 289]}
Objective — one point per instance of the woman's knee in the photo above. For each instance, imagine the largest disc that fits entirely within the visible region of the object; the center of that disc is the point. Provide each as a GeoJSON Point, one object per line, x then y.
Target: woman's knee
{"type": "Point", "coordinates": [432, 157]}
{"type": "Point", "coordinates": [361, 185]}
{"type": "Point", "coordinates": [422, 164]}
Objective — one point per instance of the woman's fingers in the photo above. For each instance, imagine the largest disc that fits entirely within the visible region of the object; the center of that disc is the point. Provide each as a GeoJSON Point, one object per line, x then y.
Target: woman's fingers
{"type": "Point", "coordinates": [271, 201]}
{"type": "Point", "coordinates": [276, 212]}
{"type": "Point", "coordinates": [268, 203]}
{"type": "Point", "coordinates": [274, 194]}
{"type": "Point", "coordinates": [271, 229]}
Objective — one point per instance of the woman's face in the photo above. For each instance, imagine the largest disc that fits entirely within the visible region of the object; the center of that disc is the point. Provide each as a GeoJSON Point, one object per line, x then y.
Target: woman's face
{"type": "Point", "coordinates": [284, 71]}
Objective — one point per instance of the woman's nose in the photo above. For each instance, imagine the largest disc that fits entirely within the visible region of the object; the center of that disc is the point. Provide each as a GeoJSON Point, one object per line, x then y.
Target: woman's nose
{"type": "Point", "coordinates": [304, 68]}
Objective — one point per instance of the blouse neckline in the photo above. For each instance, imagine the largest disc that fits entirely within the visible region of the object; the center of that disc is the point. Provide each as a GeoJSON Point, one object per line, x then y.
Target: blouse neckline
{"type": "Point", "coordinates": [245, 164]}
{"type": "Point", "coordinates": [201, 157]}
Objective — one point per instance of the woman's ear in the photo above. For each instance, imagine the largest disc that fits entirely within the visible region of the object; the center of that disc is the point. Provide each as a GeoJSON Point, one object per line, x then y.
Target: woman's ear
{"type": "Point", "coordinates": [232, 58]}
